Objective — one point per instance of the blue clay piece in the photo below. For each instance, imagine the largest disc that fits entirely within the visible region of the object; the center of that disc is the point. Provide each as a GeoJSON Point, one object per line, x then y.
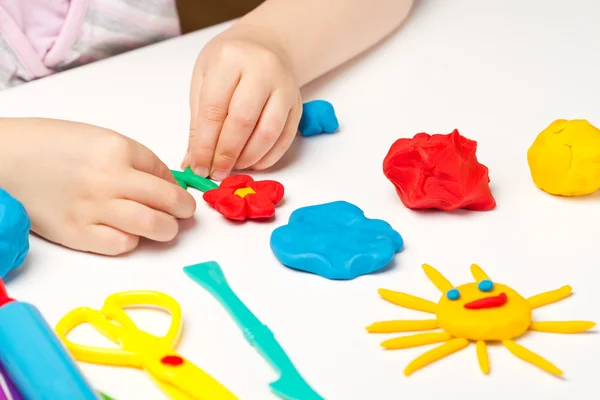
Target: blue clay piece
{"type": "Point", "coordinates": [14, 233]}
{"type": "Point", "coordinates": [336, 241]}
{"type": "Point", "coordinates": [453, 294]}
{"type": "Point", "coordinates": [318, 116]}
{"type": "Point", "coordinates": [485, 285]}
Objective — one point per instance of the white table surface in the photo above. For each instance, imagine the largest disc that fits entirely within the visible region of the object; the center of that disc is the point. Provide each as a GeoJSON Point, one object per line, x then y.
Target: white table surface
{"type": "Point", "coordinates": [498, 71]}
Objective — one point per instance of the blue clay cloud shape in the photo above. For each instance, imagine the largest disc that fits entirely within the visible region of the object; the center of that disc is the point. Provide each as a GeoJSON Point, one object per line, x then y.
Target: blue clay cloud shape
{"type": "Point", "coordinates": [336, 241]}
{"type": "Point", "coordinates": [14, 233]}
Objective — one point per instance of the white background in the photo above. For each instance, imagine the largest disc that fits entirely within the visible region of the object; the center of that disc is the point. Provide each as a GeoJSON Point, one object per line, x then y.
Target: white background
{"type": "Point", "coordinates": [500, 72]}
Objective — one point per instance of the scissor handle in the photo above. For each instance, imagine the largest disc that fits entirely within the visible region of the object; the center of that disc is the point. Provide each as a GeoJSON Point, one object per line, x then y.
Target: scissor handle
{"type": "Point", "coordinates": [115, 305]}
{"type": "Point", "coordinates": [92, 354]}
{"type": "Point", "coordinates": [114, 309]}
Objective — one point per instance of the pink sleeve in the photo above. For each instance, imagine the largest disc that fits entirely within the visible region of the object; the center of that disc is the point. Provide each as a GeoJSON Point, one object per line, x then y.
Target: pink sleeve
{"type": "Point", "coordinates": [35, 31]}
{"type": "Point", "coordinates": [40, 37]}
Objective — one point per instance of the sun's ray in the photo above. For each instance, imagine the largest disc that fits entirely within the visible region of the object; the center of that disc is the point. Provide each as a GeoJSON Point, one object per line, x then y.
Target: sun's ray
{"type": "Point", "coordinates": [478, 274]}
{"type": "Point", "coordinates": [562, 326]}
{"type": "Point", "coordinates": [531, 357]}
{"type": "Point", "coordinates": [546, 298]}
{"type": "Point", "coordinates": [403, 326]}
{"type": "Point", "coordinates": [454, 322]}
{"type": "Point", "coordinates": [451, 346]}
{"type": "Point", "coordinates": [437, 278]}
{"type": "Point", "coordinates": [482, 356]}
{"type": "Point", "coordinates": [408, 301]}
{"type": "Point", "coordinates": [420, 339]}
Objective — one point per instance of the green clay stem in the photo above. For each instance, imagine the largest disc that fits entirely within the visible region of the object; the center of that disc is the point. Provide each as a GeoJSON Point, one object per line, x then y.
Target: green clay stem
{"type": "Point", "coordinates": [105, 397]}
{"type": "Point", "coordinates": [188, 178]}
{"type": "Point", "coordinates": [181, 183]}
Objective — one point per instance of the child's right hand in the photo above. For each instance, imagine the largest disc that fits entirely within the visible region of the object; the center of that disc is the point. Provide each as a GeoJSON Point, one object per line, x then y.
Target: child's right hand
{"type": "Point", "coordinates": [89, 188]}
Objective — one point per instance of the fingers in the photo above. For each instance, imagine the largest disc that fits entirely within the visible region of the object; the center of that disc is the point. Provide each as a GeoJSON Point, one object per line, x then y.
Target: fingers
{"type": "Point", "coordinates": [144, 160]}
{"type": "Point", "coordinates": [102, 239]}
{"type": "Point", "coordinates": [244, 111]}
{"type": "Point", "coordinates": [158, 194]}
{"type": "Point", "coordinates": [284, 142]}
{"type": "Point", "coordinates": [213, 106]}
{"type": "Point", "coordinates": [269, 128]}
{"type": "Point", "coordinates": [140, 220]}
{"type": "Point", "coordinates": [195, 90]}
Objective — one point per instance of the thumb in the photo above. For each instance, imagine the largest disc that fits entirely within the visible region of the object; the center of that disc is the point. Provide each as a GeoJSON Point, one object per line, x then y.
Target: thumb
{"type": "Point", "coordinates": [146, 161]}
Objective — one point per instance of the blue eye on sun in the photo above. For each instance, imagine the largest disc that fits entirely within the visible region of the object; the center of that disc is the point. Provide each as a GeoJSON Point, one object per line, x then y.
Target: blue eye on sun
{"type": "Point", "coordinates": [453, 294]}
{"type": "Point", "coordinates": [485, 285]}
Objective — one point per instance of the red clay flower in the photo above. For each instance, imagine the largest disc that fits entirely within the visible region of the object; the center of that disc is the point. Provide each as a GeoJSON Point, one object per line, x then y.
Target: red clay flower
{"type": "Point", "coordinates": [4, 299]}
{"type": "Point", "coordinates": [240, 197]}
{"type": "Point", "coordinates": [439, 171]}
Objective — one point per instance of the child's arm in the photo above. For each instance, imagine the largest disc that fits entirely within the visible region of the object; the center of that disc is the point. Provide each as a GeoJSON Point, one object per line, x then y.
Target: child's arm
{"type": "Point", "coordinates": [319, 35]}
{"type": "Point", "coordinates": [88, 188]}
{"type": "Point", "coordinates": [245, 101]}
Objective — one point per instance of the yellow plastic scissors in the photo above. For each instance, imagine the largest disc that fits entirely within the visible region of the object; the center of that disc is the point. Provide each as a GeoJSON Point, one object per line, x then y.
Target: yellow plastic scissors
{"type": "Point", "coordinates": [176, 376]}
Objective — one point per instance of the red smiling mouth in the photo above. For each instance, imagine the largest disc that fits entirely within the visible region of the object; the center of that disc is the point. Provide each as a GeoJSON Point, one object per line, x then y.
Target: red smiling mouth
{"type": "Point", "coordinates": [488, 302]}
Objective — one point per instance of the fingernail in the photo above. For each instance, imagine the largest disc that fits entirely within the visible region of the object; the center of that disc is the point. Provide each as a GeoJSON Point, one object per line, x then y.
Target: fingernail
{"type": "Point", "coordinates": [201, 171]}
{"type": "Point", "coordinates": [218, 175]}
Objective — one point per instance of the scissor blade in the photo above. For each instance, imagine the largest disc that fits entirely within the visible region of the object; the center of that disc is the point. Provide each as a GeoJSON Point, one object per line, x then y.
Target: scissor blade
{"type": "Point", "coordinates": [191, 383]}
{"type": "Point", "coordinates": [171, 391]}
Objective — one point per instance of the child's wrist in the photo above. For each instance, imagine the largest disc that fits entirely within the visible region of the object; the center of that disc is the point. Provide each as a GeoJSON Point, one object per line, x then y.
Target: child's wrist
{"type": "Point", "coordinates": [274, 41]}
{"type": "Point", "coordinates": [13, 149]}
{"type": "Point", "coordinates": [6, 151]}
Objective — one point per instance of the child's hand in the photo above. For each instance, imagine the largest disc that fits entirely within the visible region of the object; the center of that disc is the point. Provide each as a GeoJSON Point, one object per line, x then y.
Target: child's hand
{"type": "Point", "coordinates": [89, 188]}
{"type": "Point", "coordinates": [245, 105]}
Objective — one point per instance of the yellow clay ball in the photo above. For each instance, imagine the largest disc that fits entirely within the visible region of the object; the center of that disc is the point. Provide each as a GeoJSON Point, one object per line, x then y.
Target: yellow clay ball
{"type": "Point", "coordinates": [565, 158]}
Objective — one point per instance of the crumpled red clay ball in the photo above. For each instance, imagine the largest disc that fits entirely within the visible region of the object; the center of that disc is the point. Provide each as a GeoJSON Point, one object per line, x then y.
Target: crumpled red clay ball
{"type": "Point", "coordinates": [240, 197]}
{"type": "Point", "coordinates": [439, 171]}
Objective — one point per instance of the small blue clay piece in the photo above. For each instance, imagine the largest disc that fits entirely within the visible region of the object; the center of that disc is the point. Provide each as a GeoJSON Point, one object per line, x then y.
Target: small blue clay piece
{"type": "Point", "coordinates": [485, 285]}
{"type": "Point", "coordinates": [336, 241]}
{"type": "Point", "coordinates": [14, 233]}
{"type": "Point", "coordinates": [318, 116]}
{"type": "Point", "coordinates": [453, 294]}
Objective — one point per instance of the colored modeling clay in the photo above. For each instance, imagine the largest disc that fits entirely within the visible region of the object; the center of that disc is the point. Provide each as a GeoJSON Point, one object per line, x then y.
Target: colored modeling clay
{"type": "Point", "coordinates": [8, 390]}
{"type": "Point", "coordinates": [564, 159]}
{"type": "Point", "coordinates": [318, 116]}
{"type": "Point", "coordinates": [480, 312]}
{"type": "Point", "coordinates": [4, 299]}
{"type": "Point", "coordinates": [188, 178]}
{"type": "Point", "coordinates": [176, 376]}
{"type": "Point", "coordinates": [336, 241]}
{"type": "Point", "coordinates": [438, 171]}
{"type": "Point", "coordinates": [14, 233]}
{"type": "Point", "coordinates": [290, 385]}
{"type": "Point", "coordinates": [240, 197]}
{"type": "Point", "coordinates": [34, 358]}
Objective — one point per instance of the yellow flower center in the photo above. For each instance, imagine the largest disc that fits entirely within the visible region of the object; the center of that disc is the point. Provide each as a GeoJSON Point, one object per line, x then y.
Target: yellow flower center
{"type": "Point", "coordinates": [243, 192]}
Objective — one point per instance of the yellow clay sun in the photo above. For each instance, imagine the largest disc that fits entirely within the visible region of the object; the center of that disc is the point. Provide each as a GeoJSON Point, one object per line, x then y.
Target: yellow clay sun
{"type": "Point", "coordinates": [481, 311]}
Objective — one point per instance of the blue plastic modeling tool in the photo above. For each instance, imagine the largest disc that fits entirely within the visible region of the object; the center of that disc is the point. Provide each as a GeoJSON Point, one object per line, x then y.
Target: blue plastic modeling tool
{"type": "Point", "coordinates": [37, 362]}
{"type": "Point", "coordinates": [290, 385]}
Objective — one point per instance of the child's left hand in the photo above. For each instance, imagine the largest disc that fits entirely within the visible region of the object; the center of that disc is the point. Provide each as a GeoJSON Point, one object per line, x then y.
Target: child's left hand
{"type": "Point", "coordinates": [245, 104]}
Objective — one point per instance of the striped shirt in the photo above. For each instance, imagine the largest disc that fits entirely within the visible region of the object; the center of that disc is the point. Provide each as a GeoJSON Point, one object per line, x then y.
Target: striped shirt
{"type": "Point", "coordinates": [42, 37]}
